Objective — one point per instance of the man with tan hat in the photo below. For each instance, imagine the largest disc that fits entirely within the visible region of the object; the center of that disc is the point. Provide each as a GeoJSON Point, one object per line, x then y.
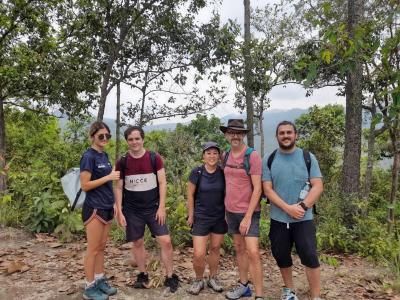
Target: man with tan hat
{"type": "Point", "coordinates": [243, 169]}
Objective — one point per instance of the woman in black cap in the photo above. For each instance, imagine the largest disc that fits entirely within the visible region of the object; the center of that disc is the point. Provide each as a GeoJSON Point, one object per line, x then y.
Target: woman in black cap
{"type": "Point", "coordinates": [206, 216]}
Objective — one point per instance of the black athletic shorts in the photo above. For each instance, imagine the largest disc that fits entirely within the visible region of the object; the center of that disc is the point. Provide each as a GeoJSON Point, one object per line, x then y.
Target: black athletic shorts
{"type": "Point", "coordinates": [234, 219]}
{"type": "Point", "coordinates": [302, 235]}
{"type": "Point", "coordinates": [203, 227]}
{"type": "Point", "coordinates": [136, 222]}
{"type": "Point", "coordinates": [103, 215]}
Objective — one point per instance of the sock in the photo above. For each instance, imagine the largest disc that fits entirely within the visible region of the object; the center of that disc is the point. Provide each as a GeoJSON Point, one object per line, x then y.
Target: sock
{"type": "Point", "coordinates": [98, 276]}
{"type": "Point", "coordinates": [89, 284]}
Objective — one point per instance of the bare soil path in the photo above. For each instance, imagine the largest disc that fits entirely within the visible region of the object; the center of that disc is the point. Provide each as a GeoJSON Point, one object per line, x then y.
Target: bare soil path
{"type": "Point", "coordinates": [40, 267]}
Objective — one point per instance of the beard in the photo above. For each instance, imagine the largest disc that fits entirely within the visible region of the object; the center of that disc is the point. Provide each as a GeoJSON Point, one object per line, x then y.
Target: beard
{"type": "Point", "coordinates": [287, 147]}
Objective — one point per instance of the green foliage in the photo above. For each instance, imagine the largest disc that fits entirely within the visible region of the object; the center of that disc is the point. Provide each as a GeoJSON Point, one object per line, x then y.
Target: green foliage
{"type": "Point", "coordinates": [264, 225]}
{"type": "Point", "coordinates": [329, 260]}
{"type": "Point", "coordinates": [228, 244]}
{"type": "Point", "coordinates": [39, 158]}
{"type": "Point", "coordinates": [176, 218]}
{"type": "Point", "coordinates": [368, 236]}
{"type": "Point", "coordinates": [41, 63]}
{"type": "Point", "coordinates": [206, 129]}
{"type": "Point", "coordinates": [43, 213]}
{"type": "Point", "coordinates": [117, 233]}
{"type": "Point", "coordinates": [10, 211]}
{"type": "Point", "coordinates": [321, 131]}
{"type": "Point", "coordinates": [157, 140]}
{"type": "Point", "coordinates": [69, 224]}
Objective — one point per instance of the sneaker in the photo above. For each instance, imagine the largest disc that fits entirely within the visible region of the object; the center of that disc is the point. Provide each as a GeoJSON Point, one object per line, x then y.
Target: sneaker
{"type": "Point", "coordinates": [172, 282]}
{"type": "Point", "coordinates": [142, 281]}
{"type": "Point", "coordinates": [239, 291]}
{"type": "Point", "coordinates": [93, 293]}
{"type": "Point", "coordinates": [288, 294]}
{"type": "Point", "coordinates": [105, 287]}
{"type": "Point", "coordinates": [196, 287]}
{"type": "Point", "coordinates": [215, 285]}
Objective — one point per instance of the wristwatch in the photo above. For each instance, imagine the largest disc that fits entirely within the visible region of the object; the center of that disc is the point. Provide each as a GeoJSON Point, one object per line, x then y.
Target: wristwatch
{"type": "Point", "coordinates": [303, 206]}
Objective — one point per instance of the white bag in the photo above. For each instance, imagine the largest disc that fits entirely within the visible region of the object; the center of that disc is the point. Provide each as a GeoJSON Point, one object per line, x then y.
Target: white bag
{"type": "Point", "coordinates": [71, 185]}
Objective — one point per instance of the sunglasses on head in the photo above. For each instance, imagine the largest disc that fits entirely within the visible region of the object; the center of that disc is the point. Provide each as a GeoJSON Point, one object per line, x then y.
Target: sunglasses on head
{"type": "Point", "coordinates": [103, 136]}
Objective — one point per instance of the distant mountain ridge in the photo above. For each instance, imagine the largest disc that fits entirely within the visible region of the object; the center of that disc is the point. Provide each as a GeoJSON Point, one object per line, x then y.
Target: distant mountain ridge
{"type": "Point", "coordinates": [271, 119]}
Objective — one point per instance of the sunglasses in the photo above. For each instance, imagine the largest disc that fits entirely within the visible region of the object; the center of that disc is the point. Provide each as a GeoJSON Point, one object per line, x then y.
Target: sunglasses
{"type": "Point", "coordinates": [103, 136]}
{"type": "Point", "coordinates": [234, 132]}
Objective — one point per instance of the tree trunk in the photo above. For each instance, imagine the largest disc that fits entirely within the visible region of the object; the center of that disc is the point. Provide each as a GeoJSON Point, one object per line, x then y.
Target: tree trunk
{"type": "Point", "coordinates": [395, 137]}
{"type": "Point", "coordinates": [247, 74]}
{"type": "Point", "coordinates": [118, 123]}
{"type": "Point", "coordinates": [3, 178]}
{"type": "Point", "coordinates": [262, 138]}
{"type": "Point", "coordinates": [352, 149]}
{"type": "Point", "coordinates": [144, 89]}
{"type": "Point", "coordinates": [370, 159]}
{"type": "Point", "coordinates": [393, 192]}
{"type": "Point", "coordinates": [104, 89]}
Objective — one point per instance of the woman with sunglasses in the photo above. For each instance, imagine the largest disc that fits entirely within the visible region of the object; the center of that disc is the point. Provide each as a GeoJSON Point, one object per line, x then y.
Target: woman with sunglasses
{"type": "Point", "coordinates": [98, 210]}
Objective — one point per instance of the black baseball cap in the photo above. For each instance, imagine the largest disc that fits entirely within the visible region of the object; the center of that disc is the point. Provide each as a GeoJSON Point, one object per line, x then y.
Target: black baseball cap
{"type": "Point", "coordinates": [209, 145]}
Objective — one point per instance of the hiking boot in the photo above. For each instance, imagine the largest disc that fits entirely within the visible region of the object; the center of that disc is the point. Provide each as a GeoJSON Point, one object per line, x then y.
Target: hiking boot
{"type": "Point", "coordinates": [142, 281]}
{"type": "Point", "coordinates": [215, 285]}
{"type": "Point", "coordinates": [172, 282]}
{"type": "Point", "coordinates": [105, 287]}
{"type": "Point", "coordinates": [288, 294]}
{"type": "Point", "coordinates": [240, 290]}
{"type": "Point", "coordinates": [196, 287]}
{"type": "Point", "coordinates": [93, 293]}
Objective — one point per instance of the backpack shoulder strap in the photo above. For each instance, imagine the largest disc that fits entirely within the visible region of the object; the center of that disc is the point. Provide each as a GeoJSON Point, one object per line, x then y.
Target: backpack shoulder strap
{"type": "Point", "coordinates": [153, 161]}
{"type": "Point", "coordinates": [226, 156]}
{"type": "Point", "coordinates": [154, 164]}
{"type": "Point", "coordinates": [123, 161]}
{"type": "Point", "coordinates": [246, 161]}
{"type": "Point", "coordinates": [122, 164]}
{"type": "Point", "coordinates": [199, 171]}
{"type": "Point", "coordinates": [271, 159]}
{"type": "Point", "coordinates": [307, 160]}
{"type": "Point", "coordinates": [223, 178]}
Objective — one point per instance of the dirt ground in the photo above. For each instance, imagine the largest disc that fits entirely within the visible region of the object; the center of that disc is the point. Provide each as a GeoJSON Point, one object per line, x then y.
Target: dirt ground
{"type": "Point", "coordinates": [40, 267]}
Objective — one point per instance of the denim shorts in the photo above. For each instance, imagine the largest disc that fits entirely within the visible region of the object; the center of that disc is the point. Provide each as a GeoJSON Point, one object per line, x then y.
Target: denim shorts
{"type": "Point", "coordinates": [137, 221]}
{"type": "Point", "coordinates": [234, 219]}
{"type": "Point", "coordinates": [203, 227]}
{"type": "Point", "coordinates": [105, 216]}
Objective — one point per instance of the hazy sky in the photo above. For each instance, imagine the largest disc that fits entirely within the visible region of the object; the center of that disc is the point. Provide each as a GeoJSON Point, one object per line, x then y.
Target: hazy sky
{"type": "Point", "coordinates": [293, 96]}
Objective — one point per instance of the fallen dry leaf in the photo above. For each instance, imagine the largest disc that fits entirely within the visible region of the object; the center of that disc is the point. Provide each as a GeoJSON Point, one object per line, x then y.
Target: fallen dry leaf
{"type": "Point", "coordinates": [16, 266]}
{"type": "Point", "coordinates": [55, 245]}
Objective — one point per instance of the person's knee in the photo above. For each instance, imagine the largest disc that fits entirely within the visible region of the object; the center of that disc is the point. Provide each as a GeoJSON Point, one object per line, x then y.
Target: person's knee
{"type": "Point", "coordinates": [309, 259]}
{"type": "Point", "coordinates": [283, 260]}
{"type": "Point", "coordinates": [93, 250]}
{"type": "Point", "coordinates": [240, 247]}
{"type": "Point", "coordinates": [102, 246]}
{"type": "Point", "coordinates": [214, 249]}
{"type": "Point", "coordinates": [198, 257]}
{"type": "Point", "coordinates": [254, 254]}
{"type": "Point", "coordinates": [165, 242]}
{"type": "Point", "coordinates": [138, 244]}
